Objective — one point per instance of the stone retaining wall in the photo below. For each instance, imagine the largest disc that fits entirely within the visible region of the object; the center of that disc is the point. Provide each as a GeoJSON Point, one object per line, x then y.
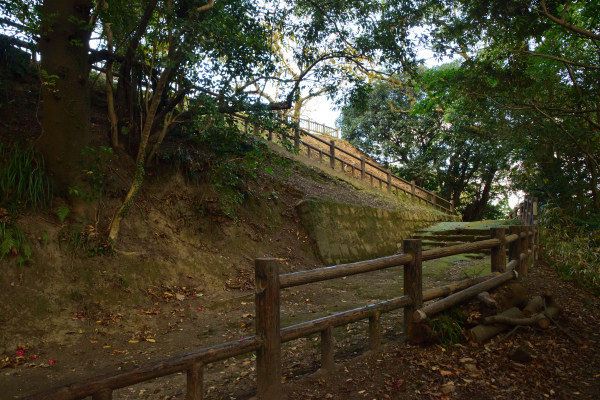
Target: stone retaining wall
{"type": "Point", "coordinates": [344, 233]}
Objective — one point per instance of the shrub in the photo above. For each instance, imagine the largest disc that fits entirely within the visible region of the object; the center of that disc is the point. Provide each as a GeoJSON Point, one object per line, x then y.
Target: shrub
{"type": "Point", "coordinates": [23, 183]}
{"type": "Point", "coordinates": [572, 244]}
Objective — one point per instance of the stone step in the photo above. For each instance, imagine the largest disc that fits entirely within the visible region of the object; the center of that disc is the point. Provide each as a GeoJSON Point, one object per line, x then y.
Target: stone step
{"type": "Point", "coordinates": [440, 243]}
{"type": "Point", "coordinates": [450, 237]}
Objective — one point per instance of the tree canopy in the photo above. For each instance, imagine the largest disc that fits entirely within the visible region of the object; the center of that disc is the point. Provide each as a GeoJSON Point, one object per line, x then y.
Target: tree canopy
{"type": "Point", "coordinates": [521, 106]}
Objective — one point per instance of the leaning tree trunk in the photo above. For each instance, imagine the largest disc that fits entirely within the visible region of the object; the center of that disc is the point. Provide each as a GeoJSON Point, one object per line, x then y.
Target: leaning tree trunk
{"type": "Point", "coordinates": [64, 45]}
{"type": "Point", "coordinates": [138, 176]}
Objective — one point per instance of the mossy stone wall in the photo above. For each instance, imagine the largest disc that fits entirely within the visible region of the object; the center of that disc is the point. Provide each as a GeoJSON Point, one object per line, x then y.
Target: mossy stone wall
{"type": "Point", "coordinates": [344, 233]}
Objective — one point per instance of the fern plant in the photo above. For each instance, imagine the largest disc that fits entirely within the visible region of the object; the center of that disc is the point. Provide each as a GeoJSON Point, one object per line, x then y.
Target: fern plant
{"type": "Point", "coordinates": [12, 241]}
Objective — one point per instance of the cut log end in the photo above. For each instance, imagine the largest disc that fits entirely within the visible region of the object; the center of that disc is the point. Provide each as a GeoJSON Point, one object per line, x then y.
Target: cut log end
{"type": "Point", "coordinates": [419, 316]}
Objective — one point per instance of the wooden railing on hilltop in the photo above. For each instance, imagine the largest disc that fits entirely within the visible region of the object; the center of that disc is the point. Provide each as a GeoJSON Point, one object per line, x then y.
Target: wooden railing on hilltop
{"type": "Point", "coordinates": [315, 146]}
{"type": "Point", "coordinates": [526, 211]}
{"type": "Point", "coordinates": [521, 243]}
{"type": "Point", "coordinates": [311, 126]}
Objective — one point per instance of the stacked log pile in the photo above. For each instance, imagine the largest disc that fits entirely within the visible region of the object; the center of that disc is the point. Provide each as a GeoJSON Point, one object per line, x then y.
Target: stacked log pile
{"type": "Point", "coordinates": [493, 312]}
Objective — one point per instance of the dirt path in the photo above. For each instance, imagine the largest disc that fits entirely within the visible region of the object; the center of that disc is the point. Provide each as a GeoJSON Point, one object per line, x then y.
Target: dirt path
{"type": "Point", "coordinates": [559, 368]}
{"type": "Point", "coordinates": [188, 319]}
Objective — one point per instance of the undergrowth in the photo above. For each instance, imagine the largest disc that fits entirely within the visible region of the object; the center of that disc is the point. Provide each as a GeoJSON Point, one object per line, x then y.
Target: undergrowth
{"type": "Point", "coordinates": [23, 184]}
{"type": "Point", "coordinates": [219, 153]}
{"type": "Point", "coordinates": [573, 245]}
{"type": "Point", "coordinates": [448, 327]}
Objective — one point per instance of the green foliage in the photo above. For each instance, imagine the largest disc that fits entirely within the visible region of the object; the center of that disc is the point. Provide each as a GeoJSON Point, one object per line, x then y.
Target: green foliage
{"type": "Point", "coordinates": [537, 74]}
{"type": "Point", "coordinates": [23, 179]}
{"type": "Point", "coordinates": [443, 140]}
{"type": "Point", "coordinates": [62, 212]}
{"type": "Point", "coordinates": [83, 240]}
{"type": "Point", "coordinates": [12, 241]}
{"type": "Point", "coordinates": [220, 153]}
{"type": "Point", "coordinates": [448, 327]}
{"type": "Point", "coordinates": [572, 244]}
{"type": "Point", "coordinates": [96, 158]}
{"type": "Point", "coordinates": [23, 183]}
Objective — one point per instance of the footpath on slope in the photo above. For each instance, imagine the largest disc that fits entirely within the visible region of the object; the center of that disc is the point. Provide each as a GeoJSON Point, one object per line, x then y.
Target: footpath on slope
{"type": "Point", "coordinates": [186, 320]}
{"type": "Point", "coordinates": [559, 368]}
{"type": "Point", "coordinates": [187, 282]}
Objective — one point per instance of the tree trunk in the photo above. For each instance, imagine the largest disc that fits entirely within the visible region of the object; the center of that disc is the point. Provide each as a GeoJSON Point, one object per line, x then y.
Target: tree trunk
{"type": "Point", "coordinates": [110, 99]}
{"type": "Point", "coordinates": [64, 45]}
{"type": "Point", "coordinates": [126, 86]}
{"type": "Point", "coordinates": [138, 176]}
{"type": "Point", "coordinates": [474, 211]}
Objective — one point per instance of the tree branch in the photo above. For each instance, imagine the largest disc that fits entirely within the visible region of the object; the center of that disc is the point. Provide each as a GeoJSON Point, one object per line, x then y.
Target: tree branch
{"type": "Point", "coordinates": [567, 25]}
{"type": "Point", "coordinates": [566, 132]}
{"type": "Point", "coordinates": [563, 60]}
{"type": "Point", "coordinates": [206, 7]}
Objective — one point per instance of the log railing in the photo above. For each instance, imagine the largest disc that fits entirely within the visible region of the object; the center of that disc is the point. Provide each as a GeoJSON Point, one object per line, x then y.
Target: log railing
{"type": "Point", "coordinates": [315, 127]}
{"type": "Point", "coordinates": [327, 150]}
{"type": "Point", "coordinates": [526, 211]}
{"type": "Point", "coordinates": [519, 244]}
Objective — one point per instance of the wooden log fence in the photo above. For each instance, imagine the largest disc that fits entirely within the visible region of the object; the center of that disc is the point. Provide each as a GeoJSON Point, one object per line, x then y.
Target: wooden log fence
{"type": "Point", "coordinates": [368, 170]}
{"type": "Point", "coordinates": [270, 335]}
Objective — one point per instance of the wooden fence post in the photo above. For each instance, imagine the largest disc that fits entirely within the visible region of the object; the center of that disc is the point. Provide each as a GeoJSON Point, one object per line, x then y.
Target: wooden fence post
{"type": "Point", "coordinates": [268, 356]}
{"type": "Point", "coordinates": [412, 190]}
{"type": "Point", "coordinates": [195, 390]}
{"type": "Point", "coordinates": [514, 248]}
{"type": "Point", "coordinates": [246, 125]}
{"type": "Point", "coordinates": [452, 206]}
{"type": "Point", "coordinates": [498, 257]}
{"type": "Point", "coordinates": [362, 168]}
{"type": "Point", "coordinates": [413, 281]}
{"type": "Point", "coordinates": [375, 331]}
{"type": "Point", "coordinates": [327, 348]}
{"type": "Point", "coordinates": [525, 249]}
{"type": "Point", "coordinates": [389, 181]}
{"type": "Point", "coordinates": [332, 154]}
{"type": "Point", "coordinates": [271, 134]}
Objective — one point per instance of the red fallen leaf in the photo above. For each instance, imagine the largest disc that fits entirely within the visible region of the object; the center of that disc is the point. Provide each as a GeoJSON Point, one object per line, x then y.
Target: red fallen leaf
{"type": "Point", "coordinates": [20, 352]}
{"type": "Point", "coordinates": [51, 361]}
{"type": "Point", "coordinates": [199, 308]}
{"type": "Point", "coordinates": [33, 357]}
{"type": "Point", "coordinates": [236, 308]}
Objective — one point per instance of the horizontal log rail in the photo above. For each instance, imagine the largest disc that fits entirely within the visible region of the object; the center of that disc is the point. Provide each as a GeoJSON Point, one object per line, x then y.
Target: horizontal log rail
{"type": "Point", "coordinates": [168, 366]}
{"type": "Point", "coordinates": [338, 271]}
{"type": "Point", "coordinates": [520, 245]}
{"type": "Point", "coordinates": [377, 175]}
